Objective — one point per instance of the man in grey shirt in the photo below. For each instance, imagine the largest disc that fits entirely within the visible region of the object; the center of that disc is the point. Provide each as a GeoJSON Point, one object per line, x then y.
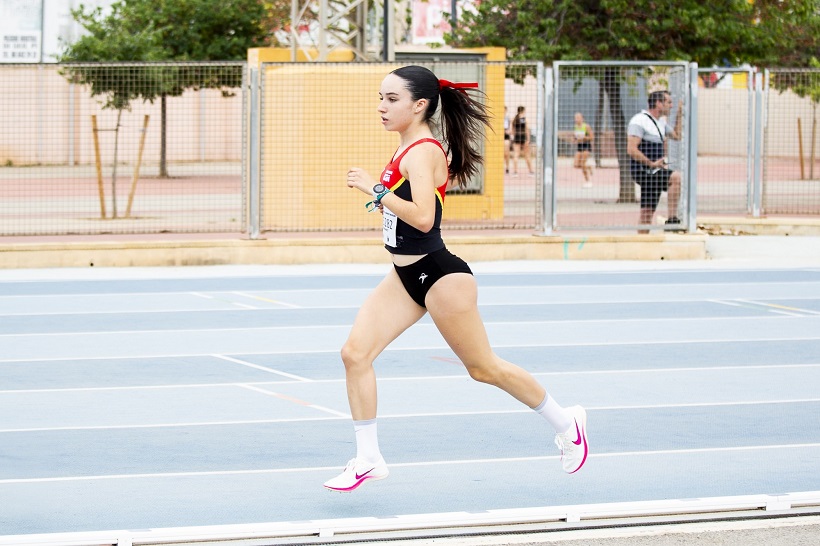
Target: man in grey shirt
{"type": "Point", "coordinates": [646, 145]}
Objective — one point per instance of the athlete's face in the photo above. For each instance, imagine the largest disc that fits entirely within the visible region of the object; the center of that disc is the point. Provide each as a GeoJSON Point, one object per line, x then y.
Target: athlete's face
{"type": "Point", "coordinates": [397, 107]}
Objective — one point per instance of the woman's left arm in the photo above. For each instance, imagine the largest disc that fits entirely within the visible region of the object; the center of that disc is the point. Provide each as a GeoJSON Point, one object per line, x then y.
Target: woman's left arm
{"type": "Point", "coordinates": [425, 167]}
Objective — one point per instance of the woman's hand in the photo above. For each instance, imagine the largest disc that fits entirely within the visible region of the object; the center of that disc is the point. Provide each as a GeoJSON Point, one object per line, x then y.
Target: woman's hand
{"type": "Point", "coordinates": [359, 179]}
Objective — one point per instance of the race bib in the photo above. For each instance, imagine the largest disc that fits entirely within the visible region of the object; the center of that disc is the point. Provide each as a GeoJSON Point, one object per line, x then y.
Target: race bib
{"type": "Point", "coordinates": [389, 221]}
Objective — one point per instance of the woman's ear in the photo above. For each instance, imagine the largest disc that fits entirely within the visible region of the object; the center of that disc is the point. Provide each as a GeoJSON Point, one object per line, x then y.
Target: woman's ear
{"type": "Point", "coordinates": [421, 104]}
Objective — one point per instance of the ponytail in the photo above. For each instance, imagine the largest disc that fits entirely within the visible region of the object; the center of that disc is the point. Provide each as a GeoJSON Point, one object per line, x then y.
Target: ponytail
{"type": "Point", "coordinates": [462, 119]}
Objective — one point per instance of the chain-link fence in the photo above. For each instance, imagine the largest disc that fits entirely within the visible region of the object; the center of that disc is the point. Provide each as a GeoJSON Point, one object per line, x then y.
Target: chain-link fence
{"type": "Point", "coordinates": [122, 148]}
{"type": "Point", "coordinates": [193, 147]}
{"type": "Point", "coordinates": [310, 136]}
{"type": "Point", "coordinates": [791, 179]}
{"type": "Point", "coordinates": [725, 141]}
{"type": "Point", "coordinates": [594, 106]}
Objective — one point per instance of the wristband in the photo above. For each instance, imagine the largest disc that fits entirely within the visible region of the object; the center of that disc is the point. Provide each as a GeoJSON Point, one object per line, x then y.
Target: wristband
{"type": "Point", "coordinates": [379, 191]}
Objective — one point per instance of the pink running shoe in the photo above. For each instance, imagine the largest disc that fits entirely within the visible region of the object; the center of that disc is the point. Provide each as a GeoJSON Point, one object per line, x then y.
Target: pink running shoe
{"type": "Point", "coordinates": [356, 473]}
{"type": "Point", "coordinates": [573, 443]}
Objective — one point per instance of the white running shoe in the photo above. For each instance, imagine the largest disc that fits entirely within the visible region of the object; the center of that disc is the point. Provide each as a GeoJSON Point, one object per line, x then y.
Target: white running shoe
{"type": "Point", "coordinates": [573, 443]}
{"type": "Point", "coordinates": [356, 473]}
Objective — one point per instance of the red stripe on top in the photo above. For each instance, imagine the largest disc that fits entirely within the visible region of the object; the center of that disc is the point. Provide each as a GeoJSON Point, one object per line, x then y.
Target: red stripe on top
{"type": "Point", "coordinates": [391, 174]}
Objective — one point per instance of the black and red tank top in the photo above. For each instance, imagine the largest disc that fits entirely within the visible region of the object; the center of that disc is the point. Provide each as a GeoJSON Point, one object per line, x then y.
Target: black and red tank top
{"type": "Point", "coordinates": [410, 240]}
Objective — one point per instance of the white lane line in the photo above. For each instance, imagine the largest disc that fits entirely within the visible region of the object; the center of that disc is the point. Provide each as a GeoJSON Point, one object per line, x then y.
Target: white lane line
{"type": "Point", "coordinates": [521, 324]}
{"type": "Point", "coordinates": [442, 345]}
{"type": "Point", "coordinates": [175, 425]}
{"type": "Point", "coordinates": [296, 379]}
{"type": "Point", "coordinates": [260, 298]}
{"type": "Point", "coordinates": [317, 308]}
{"type": "Point", "coordinates": [296, 401]}
{"type": "Point", "coordinates": [159, 387]}
{"type": "Point", "coordinates": [339, 415]}
{"type": "Point", "coordinates": [210, 297]}
{"type": "Point", "coordinates": [750, 304]}
{"type": "Point", "coordinates": [786, 310]}
{"type": "Point", "coordinates": [263, 368]}
{"type": "Point", "coordinates": [496, 460]}
{"type": "Point", "coordinates": [747, 304]}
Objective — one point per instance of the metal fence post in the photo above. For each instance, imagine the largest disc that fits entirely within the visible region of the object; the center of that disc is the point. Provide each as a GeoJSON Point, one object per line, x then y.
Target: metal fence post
{"type": "Point", "coordinates": [757, 191]}
{"type": "Point", "coordinates": [692, 151]}
{"type": "Point", "coordinates": [550, 151]}
{"type": "Point", "coordinates": [253, 156]}
{"type": "Point", "coordinates": [750, 141]}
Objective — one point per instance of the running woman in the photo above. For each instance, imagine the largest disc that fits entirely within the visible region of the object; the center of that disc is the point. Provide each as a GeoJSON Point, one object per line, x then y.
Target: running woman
{"type": "Point", "coordinates": [426, 277]}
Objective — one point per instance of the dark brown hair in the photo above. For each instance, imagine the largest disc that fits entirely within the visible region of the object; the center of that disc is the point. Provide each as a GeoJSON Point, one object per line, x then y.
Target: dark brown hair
{"type": "Point", "coordinates": [462, 119]}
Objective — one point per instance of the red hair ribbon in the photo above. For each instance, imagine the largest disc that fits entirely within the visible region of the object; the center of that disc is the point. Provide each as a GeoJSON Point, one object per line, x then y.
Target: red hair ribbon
{"type": "Point", "coordinates": [460, 86]}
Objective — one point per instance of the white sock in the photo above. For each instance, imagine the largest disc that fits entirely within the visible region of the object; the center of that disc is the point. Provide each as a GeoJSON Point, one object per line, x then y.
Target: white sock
{"type": "Point", "coordinates": [367, 441]}
{"type": "Point", "coordinates": [554, 414]}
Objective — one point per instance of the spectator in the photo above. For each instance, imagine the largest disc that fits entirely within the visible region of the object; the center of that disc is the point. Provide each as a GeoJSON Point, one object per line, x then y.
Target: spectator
{"type": "Point", "coordinates": [583, 146]}
{"type": "Point", "coordinates": [521, 140]}
{"type": "Point", "coordinates": [508, 145]}
{"type": "Point", "coordinates": [646, 145]}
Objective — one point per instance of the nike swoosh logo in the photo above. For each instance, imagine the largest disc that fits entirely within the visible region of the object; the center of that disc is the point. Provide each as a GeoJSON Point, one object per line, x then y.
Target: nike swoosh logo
{"type": "Point", "coordinates": [360, 476]}
{"type": "Point", "coordinates": [578, 432]}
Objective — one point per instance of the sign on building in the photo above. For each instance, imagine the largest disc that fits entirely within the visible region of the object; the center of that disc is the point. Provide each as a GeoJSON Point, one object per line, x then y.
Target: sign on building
{"type": "Point", "coordinates": [21, 32]}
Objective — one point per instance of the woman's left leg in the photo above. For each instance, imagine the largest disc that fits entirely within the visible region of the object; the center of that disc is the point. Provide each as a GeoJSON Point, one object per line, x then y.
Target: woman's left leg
{"type": "Point", "coordinates": [453, 305]}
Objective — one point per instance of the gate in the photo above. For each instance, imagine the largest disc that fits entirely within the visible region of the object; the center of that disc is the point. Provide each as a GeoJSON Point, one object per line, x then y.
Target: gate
{"type": "Point", "coordinates": [595, 191]}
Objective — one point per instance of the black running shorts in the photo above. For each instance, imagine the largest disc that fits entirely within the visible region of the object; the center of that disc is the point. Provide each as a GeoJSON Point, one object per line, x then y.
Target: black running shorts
{"type": "Point", "coordinates": [418, 277]}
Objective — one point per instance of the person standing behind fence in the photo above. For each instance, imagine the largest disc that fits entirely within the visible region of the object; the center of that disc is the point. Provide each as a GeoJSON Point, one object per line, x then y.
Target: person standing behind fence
{"type": "Point", "coordinates": [646, 145]}
{"type": "Point", "coordinates": [584, 136]}
{"type": "Point", "coordinates": [521, 140]}
{"type": "Point", "coordinates": [507, 141]}
{"type": "Point", "coordinates": [425, 277]}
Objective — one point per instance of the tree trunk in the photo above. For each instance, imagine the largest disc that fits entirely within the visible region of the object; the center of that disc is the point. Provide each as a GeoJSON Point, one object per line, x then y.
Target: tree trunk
{"type": "Point", "coordinates": [612, 85]}
{"type": "Point", "coordinates": [163, 165]}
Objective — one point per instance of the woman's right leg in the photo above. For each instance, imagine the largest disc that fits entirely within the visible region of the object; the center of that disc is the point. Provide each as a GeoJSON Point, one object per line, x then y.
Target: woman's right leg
{"type": "Point", "coordinates": [516, 155]}
{"type": "Point", "coordinates": [386, 313]}
{"type": "Point", "coordinates": [587, 170]}
{"type": "Point", "coordinates": [507, 155]}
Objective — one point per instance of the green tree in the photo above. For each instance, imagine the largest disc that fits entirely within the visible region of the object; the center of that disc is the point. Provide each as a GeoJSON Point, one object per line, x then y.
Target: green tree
{"type": "Point", "coordinates": [719, 32]}
{"type": "Point", "coordinates": [164, 30]}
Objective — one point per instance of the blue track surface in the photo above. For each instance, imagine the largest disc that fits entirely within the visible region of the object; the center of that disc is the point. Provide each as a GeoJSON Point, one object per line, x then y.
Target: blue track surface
{"type": "Point", "coordinates": [164, 401]}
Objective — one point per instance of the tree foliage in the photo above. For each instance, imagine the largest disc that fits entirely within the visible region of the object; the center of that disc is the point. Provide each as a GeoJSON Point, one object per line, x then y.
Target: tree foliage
{"type": "Point", "coordinates": [719, 32]}
{"type": "Point", "coordinates": [163, 30]}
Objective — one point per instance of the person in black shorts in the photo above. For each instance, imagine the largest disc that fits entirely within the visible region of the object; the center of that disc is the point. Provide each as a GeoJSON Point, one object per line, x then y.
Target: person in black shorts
{"type": "Point", "coordinates": [426, 277]}
{"type": "Point", "coordinates": [647, 135]}
{"type": "Point", "coordinates": [508, 145]}
{"type": "Point", "coordinates": [521, 140]}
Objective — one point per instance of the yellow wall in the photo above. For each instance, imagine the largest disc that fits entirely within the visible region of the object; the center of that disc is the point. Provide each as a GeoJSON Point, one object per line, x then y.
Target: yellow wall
{"type": "Point", "coordinates": [330, 125]}
{"type": "Point", "coordinates": [258, 55]}
{"type": "Point", "coordinates": [327, 127]}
